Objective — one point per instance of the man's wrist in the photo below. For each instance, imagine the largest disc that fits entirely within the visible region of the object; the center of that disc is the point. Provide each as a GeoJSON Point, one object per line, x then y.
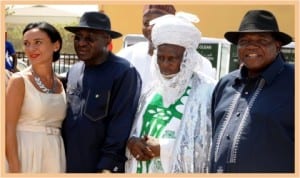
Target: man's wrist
{"type": "Point", "coordinates": [132, 140]}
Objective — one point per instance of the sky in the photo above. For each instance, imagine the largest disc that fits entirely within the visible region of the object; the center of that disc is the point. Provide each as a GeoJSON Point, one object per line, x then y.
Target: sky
{"type": "Point", "coordinates": [77, 9]}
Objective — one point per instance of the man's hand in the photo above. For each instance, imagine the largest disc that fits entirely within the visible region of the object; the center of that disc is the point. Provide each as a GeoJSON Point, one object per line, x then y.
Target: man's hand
{"type": "Point", "coordinates": [140, 149]}
{"type": "Point", "coordinates": [153, 144]}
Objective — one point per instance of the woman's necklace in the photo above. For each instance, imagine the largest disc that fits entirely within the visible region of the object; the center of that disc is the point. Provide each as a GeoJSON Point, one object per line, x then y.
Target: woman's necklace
{"type": "Point", "coordinates": [41, 85]}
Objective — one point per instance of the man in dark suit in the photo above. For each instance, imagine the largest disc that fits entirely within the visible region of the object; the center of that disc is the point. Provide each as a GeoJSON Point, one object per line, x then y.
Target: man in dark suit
{"type": "Point", "coordinates": [102, 95]}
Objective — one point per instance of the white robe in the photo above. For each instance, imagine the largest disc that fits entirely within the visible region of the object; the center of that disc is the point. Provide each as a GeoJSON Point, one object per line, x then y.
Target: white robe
{"type": "Point", "coordinates": [188, 152]}
{"type": "Point", "coordinates": [138, 56]}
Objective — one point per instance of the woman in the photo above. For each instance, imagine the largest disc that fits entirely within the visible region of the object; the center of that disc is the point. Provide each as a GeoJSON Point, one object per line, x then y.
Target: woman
{"type": "Point", "coordinates": [36, 106]}
{"type": "Point", "coordinates": [172, 130]}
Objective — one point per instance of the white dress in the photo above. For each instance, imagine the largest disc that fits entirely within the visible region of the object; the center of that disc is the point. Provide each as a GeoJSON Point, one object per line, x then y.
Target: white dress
{"type": "Point", "coordinates": [40, 145]}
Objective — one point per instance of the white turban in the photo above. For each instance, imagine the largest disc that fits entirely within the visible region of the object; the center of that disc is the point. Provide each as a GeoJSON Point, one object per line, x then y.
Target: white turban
{"type": "Point", "coordinates": [176, 29]}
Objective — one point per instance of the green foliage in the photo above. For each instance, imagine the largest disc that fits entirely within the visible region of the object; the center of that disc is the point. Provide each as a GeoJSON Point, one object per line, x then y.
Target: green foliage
{"type": "Point", "coordinates": [68, 46]}
{"type": "Point", "coordinates": [14, 35]}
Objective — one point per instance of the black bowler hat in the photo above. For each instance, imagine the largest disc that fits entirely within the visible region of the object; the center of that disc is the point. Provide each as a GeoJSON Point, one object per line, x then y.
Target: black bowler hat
{"type": "Point", "coordinates": [259, 21]}
{"type": "Point", "coordinates": [94, 21]}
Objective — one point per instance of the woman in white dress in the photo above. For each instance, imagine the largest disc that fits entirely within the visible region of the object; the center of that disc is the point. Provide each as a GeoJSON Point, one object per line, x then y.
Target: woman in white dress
{"type": "Point", "coordinates": [172, 128]}
{"type": "Point", "coordinates": [36, 106]}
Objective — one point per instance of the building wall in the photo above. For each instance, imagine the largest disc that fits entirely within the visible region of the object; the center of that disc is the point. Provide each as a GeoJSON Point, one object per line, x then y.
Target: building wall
{"type": "Point", "coordinates": [215, 19]}
{"type": "Point", "coordinates": [16, 20]}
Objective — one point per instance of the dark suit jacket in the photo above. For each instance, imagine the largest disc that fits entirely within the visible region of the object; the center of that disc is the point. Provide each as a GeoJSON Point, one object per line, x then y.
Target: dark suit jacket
{"type": "Point", "coordinates": [102, 101]}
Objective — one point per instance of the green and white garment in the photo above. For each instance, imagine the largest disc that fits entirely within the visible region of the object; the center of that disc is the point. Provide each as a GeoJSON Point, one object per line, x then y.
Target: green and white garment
{"type": "Point", "coordinates": [183, 129]}
{"type": "Point", "coordinates": [158, 119]}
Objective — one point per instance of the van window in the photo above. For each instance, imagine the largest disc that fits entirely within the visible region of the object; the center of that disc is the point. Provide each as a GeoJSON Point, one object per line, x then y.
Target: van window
{"type": "Point", "coordinates": [131, 39]}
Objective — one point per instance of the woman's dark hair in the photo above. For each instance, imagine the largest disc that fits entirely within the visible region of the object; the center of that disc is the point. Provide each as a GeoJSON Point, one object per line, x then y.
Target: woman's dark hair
{"type": "Point", "coordinates": [51, 31]}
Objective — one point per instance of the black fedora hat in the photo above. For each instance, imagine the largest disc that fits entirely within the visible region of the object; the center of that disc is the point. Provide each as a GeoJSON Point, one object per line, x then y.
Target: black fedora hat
{"type": "Point", "coordinates": [94, 21]}
{"type": "Point", "coordinates": [259, 21]}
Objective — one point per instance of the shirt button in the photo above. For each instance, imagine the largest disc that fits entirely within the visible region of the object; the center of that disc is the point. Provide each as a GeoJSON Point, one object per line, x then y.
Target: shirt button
{"type": "Point", "coordinates": [228, 137]}
{"type": "Point", "coordinates": [246, 93]}
{"type": "Point", "coordinates": [238, 114]}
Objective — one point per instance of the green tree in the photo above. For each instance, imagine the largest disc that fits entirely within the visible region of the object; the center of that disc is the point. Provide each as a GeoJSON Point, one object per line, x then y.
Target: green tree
{"type": "Point", "coordinates": [15, 36]}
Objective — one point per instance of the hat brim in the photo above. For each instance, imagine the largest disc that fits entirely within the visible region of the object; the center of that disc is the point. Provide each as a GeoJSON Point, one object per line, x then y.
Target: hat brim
{"type": "Point", "coordinates": [74, 29]}
{"type": "Point", "coordinates": [233, 37]}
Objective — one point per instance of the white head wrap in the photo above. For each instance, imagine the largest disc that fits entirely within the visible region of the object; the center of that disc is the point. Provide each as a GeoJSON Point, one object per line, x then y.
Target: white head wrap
{"type": "Point", "coordinates": [177, 30]}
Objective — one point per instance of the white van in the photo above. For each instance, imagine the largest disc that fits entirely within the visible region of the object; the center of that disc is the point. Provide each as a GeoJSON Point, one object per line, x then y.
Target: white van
{"type": "Point", "coordinates": [131, 39]}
